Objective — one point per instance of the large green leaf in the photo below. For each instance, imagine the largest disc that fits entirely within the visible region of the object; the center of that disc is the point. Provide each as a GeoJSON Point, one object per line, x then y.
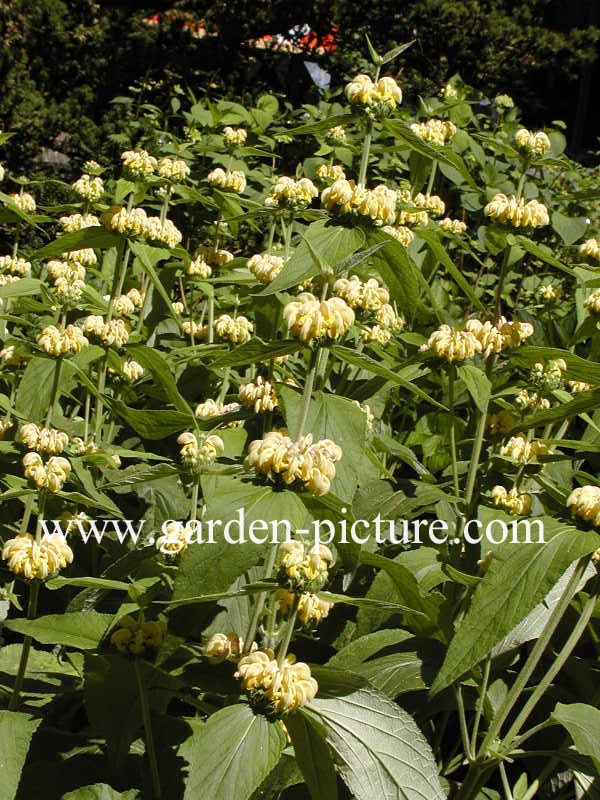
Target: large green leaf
{"type": "Point", "coordinates": [100, 791]}
{"type": "Point", "coordinates": [395, 376]}
{"type": "Point", "coordinates": [439, 251]}
{"type": "Point", "coordinates": [332, 243]}
{"type": "Point", "coordinates": [95, 236]}
{"type": "Point", "coordinates": [569, 228]}
{"type": "Point", "coordinates": [380, 751]}
{"type": "Point", "coordinates": [230, 755]}
{"type": "Point", "coordinates": [211, 568]}
{"type": "Point", "coordinates": [153, 423]}
{"type": "Point", "coordinates": [583, 723]}
{"type": "Point", "coordinates": [336, 418]}
{"type": "Point", "coordinates": [313, 756]}
{"type": "Point", "coordinates": [16, 731]}
{"type": "Point", "coordinates": [21, 288]}
{"type": "Point", "coordinates": [396, 269]}
{"type": "Point", "coordinates": [154, 362]}
{"type": "Point", "coordinates": [81, 629]}
{"type": "Point", "coordinates": [112, 699]}
{"type": "Point", "coordinates": [520, 575]}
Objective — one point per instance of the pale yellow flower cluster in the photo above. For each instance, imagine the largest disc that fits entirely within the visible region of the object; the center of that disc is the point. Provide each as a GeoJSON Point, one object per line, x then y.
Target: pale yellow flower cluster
{"type": "Point", "coordinates": [304, 567]}
{"type": "Point", "coordinates": [24, 201]}
{"type": "Point", "coordinates": [592, 303]}
{"type": "Point", "coordinates": [533, 144]}
{"type": "Point", "coordinates": [291, 194]}
{"type": "Point", "coordinates": [265, 267]}
{"type": "Point", "coordinates": [345, 198]}
{"type": "Point", "coordinates": [52, 475]}
{"type": "Point", "coordinates": [58, 342]}
{"type": "Point", "coordinates": [515, 502]}
{"type": "Point", "coordinates": [195, 329]}
{"type": "Point", "coordinates": [81, 448]}
{"type": "Point", "coordinates": [46, 440]}
{"type": "Point", "coordinates": [214, 257]}
{"type": "Point", "coordinates": [198, 268]}
{"type": "Point", "coordinates": [580, 386]}
{"type": "Point", "coordinates": [304, 463]}
{"type": "Point", "coordinates": [377, 99]}
{"type": "Point", "coordinates": [215, 408]}
{"type": "Point", "coordinates": [136, 222]}
{"type": "Point", "coordinates": [236, 330]}
{"type": "Point", "coordinates": [387, 321]}
{"type": "Point", "coordinates": [310, 319]}
{"type": "Point", "coordinates": [66, 270]}
{"type": "Point", "coordinates": [548, 377]}
{"type": "Point", "coordinates": [11, 356]}
{"type": "Point", "coordinates": [37, 561]}
{"type": "Point", "coordinates": [518, 213]}
{"type": "Point", "coordinates": [452, 344]}
{"type": "Point", "coordinates": [259, 395]}
{"type": "Point", "coordinates": [221, 647]}
{"type": "Point", "coordinates": [88, 187]}
{"type": "Point", "coordinates": [77, 222]}
{"type": "Point", "coordinates": [15, 265]}
{"type": "Point", "coordinates": [132, 370]}
{"type": "Point", "coordinates": [135, 637]}
{"type": "Point", "coordinates": [449, 92]}
{"type": "Point", "coordinates": [172, 169]}
{"type": "Point", "coordinates": [2, 173]}
{"type": "Point", "coordinates": [549, 293]}
{"type": "Point", "coordinates": [138, 163]}
{"type": "Point", "coordinates": [368, 296]}
{"type": "Point", "coordinates": [129, 222]}
{"type": "Point", "coordinates": [234, 137]}
{"type": "Point", "coordinates": [527, 401]}
{"type": "Point", "coordinates": [455, 227]}
{"type": "Point", "coordinates": [163, 231]}
{"type": "Point", "coordinates": [5, 425]}
{"type": "Point", "coordinates": [434, 131]}
{"type": "Point", "coordinates": [173, 540]}
{"type": "Point", "coordinates": [584, 503]}
{"type": "Point", "coordinates": [232, 180]}
{"type": "Point", "coordinates": [285, 689]}
{"type": "Point", "coordinates": [329, 173]}
{"type": "Point", "coordinates": [69, 286]}
{"type": "Point", "coordinates": [366, 409]}
{"type": "Point", "coordinates": [200, 452]}
{"type": "Point", "coordinates": [336, 136]}
{"type": "Point", "coordinates": [112, 334]}
{"type": "Point", "coordinates": [495, 338]}
{"type": "Point", "coordinates": [311, 609]}
{"type": "Point", "coordinates": [521, 451]}
{"type": "Point", "coordinates": [400, 232]}
{"type": "Point", "coordinates": [590, 249]}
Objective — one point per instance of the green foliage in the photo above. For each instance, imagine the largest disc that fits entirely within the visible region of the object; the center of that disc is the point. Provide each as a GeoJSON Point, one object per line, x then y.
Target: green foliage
{"type": "Point", "coordinates": [375, 375]}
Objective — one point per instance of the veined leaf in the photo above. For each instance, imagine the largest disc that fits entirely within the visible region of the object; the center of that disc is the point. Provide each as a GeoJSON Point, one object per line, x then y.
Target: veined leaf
{"type": "Point", "coordinates": [80, 629]}
{"type": "Point", "coordinates": [16, 732]}
{"type": "Point", "coordinates": [380, 751]}
{"type": "Point", "coordinates": [520, 575]}
{"type": "Point", "coordinates": [230, 754]}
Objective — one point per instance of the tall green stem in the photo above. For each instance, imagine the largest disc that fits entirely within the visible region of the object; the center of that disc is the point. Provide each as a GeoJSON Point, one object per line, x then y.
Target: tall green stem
{"type": "Point", "coordinates": [451, 379]}
{"type": "Point", "coordinates": [260, 601]}
{"type": "Point", "coordinates": [34, 591]}
{"type": "Point", "coordinates": [557, 665]}
{"type": "Point", "coordinates": [55, 384]}
{"type": "Point", "coordinates": [364, 159]}
{"type": "Point", "coordinates": [149, 739]}
{"type": "Point", "coordinates": [308, 389]}
{"type": "Point", "coordinates": [536, 653]}
{"type": "Point", "coordinates": [287, 638]}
